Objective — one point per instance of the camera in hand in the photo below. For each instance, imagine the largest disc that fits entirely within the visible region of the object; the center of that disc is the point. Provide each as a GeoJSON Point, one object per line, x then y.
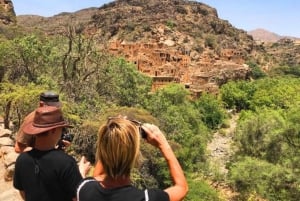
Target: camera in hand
{"type": "Point", "coordinates": [139, 124]}
{"type": "Point", "coordinates": [65, 136]}
{"type": "Point", "coordinates": [142, 132]}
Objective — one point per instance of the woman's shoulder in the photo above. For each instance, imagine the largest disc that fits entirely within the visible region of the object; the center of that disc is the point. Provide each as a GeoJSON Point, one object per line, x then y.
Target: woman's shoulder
{"type": "Point", "coordinates": [85, 181]}
{"type": "Point", "coordinates": [157, 194]}
{"type": "Point", "coordinates": [91, 186]}
{"type": "Point", "coordinates": [88, 179]}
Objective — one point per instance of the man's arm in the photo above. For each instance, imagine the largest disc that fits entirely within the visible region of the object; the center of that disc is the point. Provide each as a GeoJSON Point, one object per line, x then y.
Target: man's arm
{"type": "Point", "coordinates": [84, 166]}
{"type": "Point", "coordinates": [24, 142]}
{"type": "Point", "coordinates": [19, 147]}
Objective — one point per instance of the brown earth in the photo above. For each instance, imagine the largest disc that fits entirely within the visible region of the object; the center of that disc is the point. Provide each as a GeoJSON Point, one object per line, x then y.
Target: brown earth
{"type": "Point", "coordinates": [7, 191]}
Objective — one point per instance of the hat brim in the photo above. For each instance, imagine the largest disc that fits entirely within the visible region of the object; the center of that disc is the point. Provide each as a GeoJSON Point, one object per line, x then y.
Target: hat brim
{"type": "Point", "coordinates": [30, 129]}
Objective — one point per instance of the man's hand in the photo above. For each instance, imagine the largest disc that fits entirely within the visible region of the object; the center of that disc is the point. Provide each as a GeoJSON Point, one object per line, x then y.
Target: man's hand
{"type": "Point", "coordinates": [84, 166]}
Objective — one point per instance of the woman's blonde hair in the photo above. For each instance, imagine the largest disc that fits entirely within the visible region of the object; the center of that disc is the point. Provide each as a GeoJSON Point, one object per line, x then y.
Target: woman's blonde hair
{"type": "Point", "coordinates": [118, 146]}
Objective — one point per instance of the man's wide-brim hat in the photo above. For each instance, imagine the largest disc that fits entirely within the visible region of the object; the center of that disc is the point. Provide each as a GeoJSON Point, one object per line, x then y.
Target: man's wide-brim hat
{"type": "Point", "coordinates": [45, 119]}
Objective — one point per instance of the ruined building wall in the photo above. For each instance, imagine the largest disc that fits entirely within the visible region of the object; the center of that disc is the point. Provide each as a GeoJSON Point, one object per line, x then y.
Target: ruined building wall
{"type": "Point", "coordinates": [168, 66]}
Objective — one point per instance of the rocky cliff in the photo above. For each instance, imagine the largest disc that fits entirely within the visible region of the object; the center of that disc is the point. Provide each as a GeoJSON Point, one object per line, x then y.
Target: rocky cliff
{"type": "Point", "coordinates": [7, 13]}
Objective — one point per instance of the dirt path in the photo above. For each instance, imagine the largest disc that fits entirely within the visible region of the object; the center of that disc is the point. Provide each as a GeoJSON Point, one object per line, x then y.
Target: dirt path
{"type": "Point", "coordinates": [219, 151]}
{"type": "Point", "coordinates": [7, 191]}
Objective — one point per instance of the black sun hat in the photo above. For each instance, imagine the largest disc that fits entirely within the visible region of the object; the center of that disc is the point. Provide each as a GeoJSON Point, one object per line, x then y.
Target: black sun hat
{"type": "Point", "coordinates": [50, 98]}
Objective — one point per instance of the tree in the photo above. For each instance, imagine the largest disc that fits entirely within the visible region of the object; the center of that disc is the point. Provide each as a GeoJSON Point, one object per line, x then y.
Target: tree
{"type": "Point", "coordinates": [277, 93]}
{"type": "Point", "coordinates": [181, 122]}
{"type": "Point", "coordinates": [17, 101]}
{"type": "Point", "coordinates": [211, 110]}
{"type": "Point", "coordinates": [237, 95]}
{"type": "Point", "coordinates": [256, 71]}
{"type": "Point", "coordinates": [27, 57]}
{"type": "Point", "coordinates": [80, 63]}
{"type": "Point", "coordinates": [259, 134]}
{"type": "Point", "coordinates": [121, 83]}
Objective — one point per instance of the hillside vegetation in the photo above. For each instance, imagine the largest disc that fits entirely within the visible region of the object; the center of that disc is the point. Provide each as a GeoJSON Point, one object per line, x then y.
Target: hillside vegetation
{"type": "Point", "coordinates": [73, 60]}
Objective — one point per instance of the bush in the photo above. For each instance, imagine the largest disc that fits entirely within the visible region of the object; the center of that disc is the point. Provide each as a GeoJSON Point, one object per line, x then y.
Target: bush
{"type": "Point", "coordinates": [211, 111]}
{"type": "Point", "coordinates": [170, 24]}
{"type": "Point", "coordinates": [259, 134]}
{"type": "Point", "coordinates": [199, 190]}
{"type": "Point", "coordinates": [272, 182]}
{"type": "Point", "coordinates": [256, 71]}
{"type": "Point", "coordinates": [210, 41]}
{"type": "Point", "coordinates": [237, 95]}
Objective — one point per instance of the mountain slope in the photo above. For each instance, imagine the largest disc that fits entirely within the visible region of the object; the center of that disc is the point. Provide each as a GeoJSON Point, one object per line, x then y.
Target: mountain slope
{"type": "Point", "coordinates": [267, 36]}
{"type": "Point", "coordinates": [264, 35]}
{"type": "Point", "coordinates": [56, 24]}
{"type": "Point", "coordinates": [215, 49]}
{"type": "Point", "coordinates": [135, 20]}
{"type": "Point", "coordinates": [170, 40]}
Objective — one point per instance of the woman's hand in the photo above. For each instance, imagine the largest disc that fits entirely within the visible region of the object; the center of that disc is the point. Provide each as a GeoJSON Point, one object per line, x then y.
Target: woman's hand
{"type": "Point", "coordinates": [154, 136]}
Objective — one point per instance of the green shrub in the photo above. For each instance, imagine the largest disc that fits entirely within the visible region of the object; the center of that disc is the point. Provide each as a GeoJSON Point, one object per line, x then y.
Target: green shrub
{"type": "Point", "coordinates": [256, 71]}
{"type": "Point", "coordinates": [170, 24]}
{"type": "Point", "coordinates": [211, 110]}
{"type": "Point", "coordinates": [201, 191]}
{"type": "Point", "coordinates": [272, 182]}
{"type": "Point", "coordinates": [210, 41]}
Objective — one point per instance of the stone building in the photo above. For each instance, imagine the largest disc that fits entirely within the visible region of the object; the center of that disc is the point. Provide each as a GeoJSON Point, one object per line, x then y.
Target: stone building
{"type": "Point", "coordinates": [165, 65]}
{"type": "Point", "coordinates": [155, 60]}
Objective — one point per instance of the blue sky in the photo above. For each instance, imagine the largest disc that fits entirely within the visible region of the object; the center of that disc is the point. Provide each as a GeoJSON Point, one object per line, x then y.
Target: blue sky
{"type": "Point", "coordinates": [278, 16]}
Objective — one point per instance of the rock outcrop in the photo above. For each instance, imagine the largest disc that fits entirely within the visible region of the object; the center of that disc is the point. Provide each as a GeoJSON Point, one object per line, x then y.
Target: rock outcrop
{"type": "Point", "coordinates": [7, 12]}
{"type": "Point", "coordinates": [8, 158]}
{"type": "Point", "coordinates": [7, 153]}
